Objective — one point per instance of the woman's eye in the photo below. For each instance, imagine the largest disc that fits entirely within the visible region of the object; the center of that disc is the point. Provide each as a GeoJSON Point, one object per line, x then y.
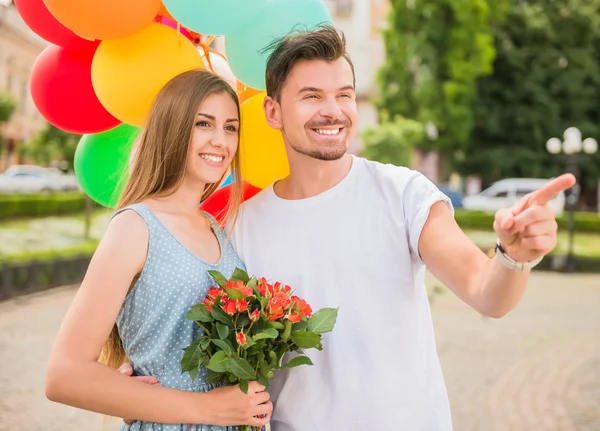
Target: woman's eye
{"type": "Point", "coordinates": [203, 123]}
{"type": "Point", "coordinates": [231, 128]}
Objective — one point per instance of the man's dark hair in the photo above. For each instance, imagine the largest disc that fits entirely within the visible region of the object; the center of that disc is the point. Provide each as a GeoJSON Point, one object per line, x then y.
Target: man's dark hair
{"type": "Point", "coordinates": [323, 43]}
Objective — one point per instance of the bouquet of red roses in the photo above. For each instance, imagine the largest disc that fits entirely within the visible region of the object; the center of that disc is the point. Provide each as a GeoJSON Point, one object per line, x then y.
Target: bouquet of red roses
{"type": "Point", "coordinates": [249, 325]}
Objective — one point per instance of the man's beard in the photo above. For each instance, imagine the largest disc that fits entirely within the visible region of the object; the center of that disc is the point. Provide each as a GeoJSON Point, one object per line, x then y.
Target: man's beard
{"type": "Point", "coordinates": [328, 154]}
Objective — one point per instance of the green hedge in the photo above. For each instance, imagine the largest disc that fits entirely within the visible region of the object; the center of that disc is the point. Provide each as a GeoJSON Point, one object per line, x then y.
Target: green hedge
{"type": "Point", "coordinates": [584, 222]}
{"type": "Point", "coordinates": [37, 205]}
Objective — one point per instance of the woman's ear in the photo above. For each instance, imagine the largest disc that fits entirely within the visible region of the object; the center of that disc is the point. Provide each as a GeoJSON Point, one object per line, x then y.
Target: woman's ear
{"type": "Point", "coordinates": [272, 113]}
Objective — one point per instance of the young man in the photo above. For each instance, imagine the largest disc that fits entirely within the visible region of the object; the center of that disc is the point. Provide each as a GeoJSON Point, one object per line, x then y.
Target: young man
{"type": "Point", "coordinates": [350, 233]}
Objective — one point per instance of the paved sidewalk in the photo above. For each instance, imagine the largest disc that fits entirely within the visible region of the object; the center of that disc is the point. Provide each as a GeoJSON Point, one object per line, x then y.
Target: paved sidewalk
{"type": "Point", "coordinates": [536, 369]}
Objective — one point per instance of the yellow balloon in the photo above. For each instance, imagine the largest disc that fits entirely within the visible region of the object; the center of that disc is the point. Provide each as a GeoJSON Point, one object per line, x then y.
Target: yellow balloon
{"type": "Point", "coordinates": [262, 151]}
{"type": "Point", "coordinates": [128, 73]}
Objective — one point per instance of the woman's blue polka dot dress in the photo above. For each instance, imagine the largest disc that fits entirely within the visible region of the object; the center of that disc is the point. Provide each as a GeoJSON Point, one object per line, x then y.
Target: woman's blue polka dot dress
{"type": "Point", "coordinates": [151, 321]}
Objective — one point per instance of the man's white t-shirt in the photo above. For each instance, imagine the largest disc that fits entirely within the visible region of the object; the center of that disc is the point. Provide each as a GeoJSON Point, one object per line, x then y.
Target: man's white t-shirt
{"type": "Point", "coordinates": [355, 247]}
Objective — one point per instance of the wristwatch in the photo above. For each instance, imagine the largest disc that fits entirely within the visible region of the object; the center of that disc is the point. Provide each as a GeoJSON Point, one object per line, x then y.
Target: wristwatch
{"type": "Point", "coordinates": [512, 264]}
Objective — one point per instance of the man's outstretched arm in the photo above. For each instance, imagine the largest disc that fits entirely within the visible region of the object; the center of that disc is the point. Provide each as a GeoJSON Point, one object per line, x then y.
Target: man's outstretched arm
{"type": "Point", "coordinates": [526, 233]}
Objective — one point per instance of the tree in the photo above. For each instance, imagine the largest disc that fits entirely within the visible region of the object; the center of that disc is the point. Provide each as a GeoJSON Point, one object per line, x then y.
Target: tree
{"type": "Point", "coordinates": [52, 145]}
{"type": "Point", "coordinates": [8, 105]}
{"type": "Point", "coordinates": [393, 141]}
{"type": "Point", "coordinates": [435, 51]}
{"type": "Point", "coordinates": [546, 78]}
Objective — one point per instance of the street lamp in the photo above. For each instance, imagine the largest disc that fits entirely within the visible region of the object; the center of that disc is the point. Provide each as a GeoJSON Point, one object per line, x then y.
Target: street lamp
{"type": "Point", "coordinates": [572, 147]}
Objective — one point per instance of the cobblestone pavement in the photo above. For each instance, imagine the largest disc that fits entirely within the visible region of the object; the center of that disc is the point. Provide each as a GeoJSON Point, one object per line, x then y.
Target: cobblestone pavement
{"type": "Point", "coordinates": [536, 369]}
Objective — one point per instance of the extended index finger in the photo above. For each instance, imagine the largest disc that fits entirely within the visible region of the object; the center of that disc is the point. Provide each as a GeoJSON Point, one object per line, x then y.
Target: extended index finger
{"type": "Point", "coordinates": [548, 192]}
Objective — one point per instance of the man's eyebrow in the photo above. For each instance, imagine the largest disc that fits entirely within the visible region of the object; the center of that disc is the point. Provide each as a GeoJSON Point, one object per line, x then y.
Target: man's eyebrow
{"type": "Point", "coordinates": [317, 90]}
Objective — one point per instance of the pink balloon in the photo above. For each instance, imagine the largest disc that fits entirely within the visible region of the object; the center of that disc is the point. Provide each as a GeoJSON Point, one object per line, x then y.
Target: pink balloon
{"type": "Point", "coordinates": [166, 21]}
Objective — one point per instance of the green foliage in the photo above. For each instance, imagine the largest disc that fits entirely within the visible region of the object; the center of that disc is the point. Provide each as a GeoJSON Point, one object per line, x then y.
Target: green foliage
{"type": "Point", "coordinates": [8, 105]}
{"type": "Point", "coordinates": [51, 144]}
{"type": "Point", "coordinates": [38, 205]}
{"type": "Point", "coordinates": [435, 51]}
{"type": "Point", "coordinates": [584, 222]}
{"type": "Point", "coordinates": [546, 78]}
{"type": "Point", "coordinates": [393, 141]}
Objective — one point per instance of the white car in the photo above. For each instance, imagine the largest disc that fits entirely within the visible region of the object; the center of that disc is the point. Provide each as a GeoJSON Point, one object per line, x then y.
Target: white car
{"type": "Point", "coordinates": [36, 179]}
{"type": "Point", "coordinates": [506, 193]}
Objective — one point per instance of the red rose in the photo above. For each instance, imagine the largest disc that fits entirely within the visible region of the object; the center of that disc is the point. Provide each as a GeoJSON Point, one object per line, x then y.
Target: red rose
{"type": "Point", "coordinates": [262, 286]}
{"type": "Point", "coordinates": [214, 292]}
{"type": "Point", "coordinates": [255, 315]}
{"type": "Point", "coordinates": [240, 286]}
{"type": "Point", "coordinates": [230, 307]}
{"type": "Point", "coordinates": [209, 303]}
{"type": "Point", "coordinates": [295, 317]}
{"type": "Point", "coordinates": [242, 305]}
{"type": "Point", "coordinates": [301, 305]}
{"type": "Point", "coordinates": [277, 316]}
{"type": "Point", "coordinates": [241, 338]}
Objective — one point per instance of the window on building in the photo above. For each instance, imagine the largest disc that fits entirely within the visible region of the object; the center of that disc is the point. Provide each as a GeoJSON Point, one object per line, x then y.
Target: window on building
{"type": "Point", "coordinates": [343, 7]}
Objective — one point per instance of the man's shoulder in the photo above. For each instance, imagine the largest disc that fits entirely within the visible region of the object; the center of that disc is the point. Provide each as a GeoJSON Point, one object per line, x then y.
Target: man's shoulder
{"type": "Point", "coordinates": [388, 173]}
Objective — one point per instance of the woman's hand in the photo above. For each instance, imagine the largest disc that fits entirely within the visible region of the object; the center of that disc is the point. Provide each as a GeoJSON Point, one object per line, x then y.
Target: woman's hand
{"type": "Point", "coordinates": [228, 405]}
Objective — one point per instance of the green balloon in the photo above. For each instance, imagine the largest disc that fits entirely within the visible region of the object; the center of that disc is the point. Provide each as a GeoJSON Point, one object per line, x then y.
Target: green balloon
{"type": "Point", "coordinates": [102, 161]}
{"type": "Point", "coordinates": [277, 18]}
{"type": "Point", "coordinates": [213, 17]}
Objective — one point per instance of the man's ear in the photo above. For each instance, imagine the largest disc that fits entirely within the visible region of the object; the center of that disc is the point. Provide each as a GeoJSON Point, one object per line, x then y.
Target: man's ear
{"type": "Point", "coordinates": [272, 113]}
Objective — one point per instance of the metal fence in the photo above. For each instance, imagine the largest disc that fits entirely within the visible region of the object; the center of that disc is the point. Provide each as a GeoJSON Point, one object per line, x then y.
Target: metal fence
{"type": "Point", "coordinates": [20, 278]}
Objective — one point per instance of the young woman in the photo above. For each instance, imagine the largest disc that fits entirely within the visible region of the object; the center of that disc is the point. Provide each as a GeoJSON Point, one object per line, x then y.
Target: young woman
{"type": "Point", "coordinates": [151, 266]}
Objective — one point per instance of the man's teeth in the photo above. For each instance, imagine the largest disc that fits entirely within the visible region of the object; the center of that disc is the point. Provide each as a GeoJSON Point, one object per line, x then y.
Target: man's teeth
{"type": "Point", "coordinates": [328, 131]}
{"type": "Point", "coordinates": [216, 159]}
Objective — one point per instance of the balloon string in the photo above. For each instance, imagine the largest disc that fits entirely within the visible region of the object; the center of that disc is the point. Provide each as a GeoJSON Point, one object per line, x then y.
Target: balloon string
{"type": "Point", "coordinates": [207, 50]}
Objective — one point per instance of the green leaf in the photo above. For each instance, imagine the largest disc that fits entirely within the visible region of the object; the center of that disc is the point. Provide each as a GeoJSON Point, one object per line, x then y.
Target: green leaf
{"type": "Point", "coordinates": [323, 320]}
{"type": "Point", "coordinates": [205, 343]}
{"type": "Point", "coordinates": [252, 283]}
{"type": "Point", "coordinates": [276, 325]}
{"type": "Point", "coordinates": [243, 321]}
{"type": "Point", "coordinates": [225, 346]}
{"type": "Point", "coordinates": [219, 362]}
{"type": "Point", "coordinates": [220, 315]}
{"type": "Point", "coordinates": [240, 275]}
{"type": "Point", "coordinates": [299, 360]}
{"type": "Point", "coordinates": [300, 326]}
{"type": "Point", "coordinates": [223, 330]}
{"type": "Point", "coordinates": [218, 277]}
{"type": "Point", "coordinates": [305, 340]}
{"type": "Point", "coordinates": [273, 358]}
{"type": "Point", "coordinates": [249, 343]}
{"type": "Point", "coordinates": [234, 293]}
{"type": "Point", "coordinates": [264, 369]}
{"type": "Point", "coordinates": [191, 356]}
{"type": "Point", "coordinates": [194, 373]}
{"type": "Point", "coordinates": [263, 380]}
{"type": "Point", "coordinates": [199, 313]}
{"type": "Point", "coordinates": [266, 334]}
{"type": "Point", "coordinates": [241, 368]}
{"type": "Point", "coordinates": [288, 330]}
{"type": "Point", "coordinates": [213, 377]}
{"type": "Point", "coordinates": [244, 386]}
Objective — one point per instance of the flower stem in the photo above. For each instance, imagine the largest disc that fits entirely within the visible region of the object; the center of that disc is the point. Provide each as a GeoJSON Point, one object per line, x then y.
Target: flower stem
{"type": "Point", "coordinates": [204, 328]}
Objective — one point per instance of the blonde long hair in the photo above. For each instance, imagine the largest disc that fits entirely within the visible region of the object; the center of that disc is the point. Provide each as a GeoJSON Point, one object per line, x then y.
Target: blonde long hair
{"type": "Point", "coordinates": [161, 156]}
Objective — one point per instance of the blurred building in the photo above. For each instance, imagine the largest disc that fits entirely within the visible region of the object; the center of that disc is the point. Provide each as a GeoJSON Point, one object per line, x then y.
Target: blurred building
{"type": "Point", "coordinates": [19, 48]}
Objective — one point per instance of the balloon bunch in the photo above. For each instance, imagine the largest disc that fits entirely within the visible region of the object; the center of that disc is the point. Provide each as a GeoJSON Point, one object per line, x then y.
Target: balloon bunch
{"type": "Point", "coordinates": [108, 59]}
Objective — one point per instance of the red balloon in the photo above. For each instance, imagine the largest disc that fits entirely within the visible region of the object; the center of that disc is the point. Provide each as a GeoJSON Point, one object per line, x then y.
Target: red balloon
{"type": "Point", "coordinates": [218, 201]}
{"type": "Point", "coordinates": [61, 88]}
{"type": "Point", "coordinates": [39, 19]}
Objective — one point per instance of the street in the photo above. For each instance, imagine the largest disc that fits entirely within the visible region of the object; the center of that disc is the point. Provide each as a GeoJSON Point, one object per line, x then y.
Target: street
{"type": "Point", "coordinates": [536, 369]}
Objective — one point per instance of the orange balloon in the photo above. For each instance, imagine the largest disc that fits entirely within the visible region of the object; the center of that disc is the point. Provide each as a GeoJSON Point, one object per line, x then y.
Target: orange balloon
{"type": "Point", "coordinates": [164, 12]}
{"type": "Point", "coordinates": [245, 93]}
{"type": "Point", "coordinates": [104, 19]}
